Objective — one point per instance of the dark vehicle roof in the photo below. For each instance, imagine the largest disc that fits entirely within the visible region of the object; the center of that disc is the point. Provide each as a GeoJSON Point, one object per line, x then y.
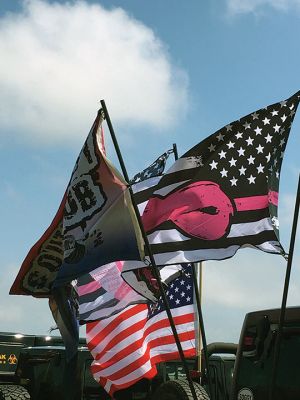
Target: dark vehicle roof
{"type": "Point", "coordinates": [33, 340]}
{"type": "Point", "coordinates": [291, 313]}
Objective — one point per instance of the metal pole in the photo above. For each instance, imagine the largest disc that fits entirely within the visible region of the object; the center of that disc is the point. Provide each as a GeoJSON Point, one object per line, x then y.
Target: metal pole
{"type": "Point", "coordinates": [201, 326]}
{"type": "Point", "coordinates": [285, 294]}
{"type": "Point", "coordinates": [147, 244]}
{"type": "Point", "coordinates": [175, 151]}
{"type": "Point", "coordinates": [198, 293]}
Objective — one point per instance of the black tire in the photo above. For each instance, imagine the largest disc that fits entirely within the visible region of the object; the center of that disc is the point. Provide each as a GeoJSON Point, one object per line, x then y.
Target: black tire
{"type": "Point", "coordinates": [13, 392]}
{"type": "Point", "coordinates": [179, 390]}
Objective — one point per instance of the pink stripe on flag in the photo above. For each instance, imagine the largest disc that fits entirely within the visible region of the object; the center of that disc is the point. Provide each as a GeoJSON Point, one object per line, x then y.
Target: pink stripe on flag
{"type": "Point", "coordinates": [256, 202]}
{"type": "Point", "coordinates": [88, 288]}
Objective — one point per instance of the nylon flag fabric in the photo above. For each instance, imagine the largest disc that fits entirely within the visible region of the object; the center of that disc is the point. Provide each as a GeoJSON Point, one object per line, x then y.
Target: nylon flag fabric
{"type": "Point", "coordinates": [127, 346]}
{"type": "Point", "coordinates": [223, 193]}
{"type": "Point", "coordinates": [104, 292]}
{"type": "Point", "coordinates": [95, 225]}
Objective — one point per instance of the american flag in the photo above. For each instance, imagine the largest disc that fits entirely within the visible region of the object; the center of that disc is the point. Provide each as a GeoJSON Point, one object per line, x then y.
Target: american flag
{"type": "Point", "coordinates": [155, 169]}
{"type": "Point", "coordinates": [223, 193]}
{"type": "Point", "coordinates": [103, 292]}
{"type": "Point", "coordinates": [126, 347]}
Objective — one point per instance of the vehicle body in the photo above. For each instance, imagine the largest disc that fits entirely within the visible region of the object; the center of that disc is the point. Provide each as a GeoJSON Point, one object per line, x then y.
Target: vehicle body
{"type": "Point", "coordinates": [172, 378]}
{"type": "Point", "coordinates": [11, 345]}
{"type": "Point", "coordinates": [254, 361]}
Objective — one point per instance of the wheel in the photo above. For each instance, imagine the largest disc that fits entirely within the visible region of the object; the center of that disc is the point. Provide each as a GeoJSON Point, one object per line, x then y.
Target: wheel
{"type": "Point", "coordinates": [179, 390]}
{"type": "Point", "coordinates": [13, 392]}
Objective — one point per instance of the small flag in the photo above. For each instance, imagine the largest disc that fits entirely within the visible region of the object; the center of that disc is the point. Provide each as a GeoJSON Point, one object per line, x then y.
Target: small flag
{"type": "Point", "coordinates": [126, 347]}
{"type": "Point", "coordinates": [223, 193]}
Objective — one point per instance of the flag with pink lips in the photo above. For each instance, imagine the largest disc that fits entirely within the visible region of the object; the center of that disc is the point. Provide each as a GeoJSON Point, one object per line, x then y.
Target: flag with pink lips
{"type": "Point", "coordinates": [222, 194]}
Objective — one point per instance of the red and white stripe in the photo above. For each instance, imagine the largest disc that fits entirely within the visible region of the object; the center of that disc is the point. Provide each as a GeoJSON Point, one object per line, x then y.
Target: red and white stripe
{"type": "Point", "coordinates": [127, 347]}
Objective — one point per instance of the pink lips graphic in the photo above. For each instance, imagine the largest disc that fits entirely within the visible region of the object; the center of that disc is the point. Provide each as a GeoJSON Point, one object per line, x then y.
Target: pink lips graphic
{"type": "Point", "coordinates": [200, 209]}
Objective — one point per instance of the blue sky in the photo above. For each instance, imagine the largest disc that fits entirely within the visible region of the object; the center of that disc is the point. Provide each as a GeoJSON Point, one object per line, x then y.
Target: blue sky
{"type": "Point", "coordinates": [170, 72]}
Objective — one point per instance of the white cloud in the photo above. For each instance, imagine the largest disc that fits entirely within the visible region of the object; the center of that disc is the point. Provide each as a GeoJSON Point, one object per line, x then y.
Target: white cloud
{"type": "Point", "coordinates": [59, 60]}
{"type": "Point", "coordinates": [257, 6]}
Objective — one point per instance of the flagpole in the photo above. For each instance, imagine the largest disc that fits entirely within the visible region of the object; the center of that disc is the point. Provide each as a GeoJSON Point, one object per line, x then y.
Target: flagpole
{"type": "Point", "coordinates": [198, 293]}
{"type": "Point", "coordinates": [148, 247]}
{"type": "Point", "coordinates": [285, 294]}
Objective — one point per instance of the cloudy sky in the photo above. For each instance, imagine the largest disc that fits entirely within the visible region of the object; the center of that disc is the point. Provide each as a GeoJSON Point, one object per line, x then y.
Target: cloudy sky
{"type": "Point", "coordinates": [170, 72]}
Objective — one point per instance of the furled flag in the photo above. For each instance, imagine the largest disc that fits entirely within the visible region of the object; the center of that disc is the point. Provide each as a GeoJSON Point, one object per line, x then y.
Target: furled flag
{"type": "Point", "coordinates": [126, 347]}
{"type": "Point", "coordinates": [223, 193]}
{"type": "Point", "coordinates": [94, 225]}
{"type": "Point", "coordinates": [103, 292]}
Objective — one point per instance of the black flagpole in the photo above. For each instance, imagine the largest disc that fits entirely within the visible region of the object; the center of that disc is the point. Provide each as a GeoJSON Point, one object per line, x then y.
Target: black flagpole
{"type": "Point", "coordinates": [285, 294]}
{"type": "Point", "coordinates": [199, 308]}
{"type": "Point", "coordinates": [147, 244]}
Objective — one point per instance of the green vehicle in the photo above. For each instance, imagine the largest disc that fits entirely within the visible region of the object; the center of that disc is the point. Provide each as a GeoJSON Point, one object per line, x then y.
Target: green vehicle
{"type": "Point", "coordinates": [254, 362]}
{"type": "Point", "coordinates": [248, 375]}
{"type": "Point", "coordinates": [35, 368]}
{"type": "Point", "coordinates": [41, 373]}
{"type": "Point", "coordinates": [174, 385]}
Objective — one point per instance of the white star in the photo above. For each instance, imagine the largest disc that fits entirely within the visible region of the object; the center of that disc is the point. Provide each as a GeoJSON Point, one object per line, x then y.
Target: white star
{"type": "Point", "coordinates": [220, 137]}
{"type": "Point", "coordinates": [182, 294]}
{"type": "Point", "coordinates": [181, 282]}
{"type": "Point", "coordinates": [247, 125]}
{"type": "Point", "coordinates": [177, 301]}
{"type": "Point", "coordinates": [268, 157]}
{"type": "Point", "coordinates": [228, 127]}
{"type": "Point", "coordinates": [268, 138]}
{"type": "Point", "coordinates": [292, 113]}
{"type": "Point", "coordinates": [188, 299]}
{"type": "Point", "coordinates": [212, 148]}
{"type": "Point", "coordinates": [255, 115]}
{"type": "Point", "coordinates": [275, 162]}
{"type": "Point", "coordinates": [283, 103]}
{"type": "Point", "coordinates": [266, 121]}
{"type": "Point", "coordinates": [283, 118]}
{"type": "Point", "coordinates": [241, 151]}
{"type": "Point", "coordinates": [292, 106]}
{"type": "Point", "coordinates": [176, 289]}
{"type": "Point", "coordinates": [224, 172]}
{"type": "Point", "coordinates": [233, 181]}
{"type": "Point", "coordinates": [232, 162]}
{"type": "Point", "coordinates": [230, 145]}
{"type": "Point", "coordinates": [274, 112]}
{"type": "Point", "coordinates": [259, 149]}
{"type": "Point", "coordinates": [251, 160]}
{"type": "Point", "coordinates": [171, 297]}
{"type": "Point", "coordinates": [260, 169]}
{"type": "Point", "coordinates": [282, 141]}
{"type": "Point", "coordinates": [239, 135]}
{"type": "Point", "coordinates": [188, 287]}
{"type": "Point", "coordinates": [222, 154]}
{"type": "Point", "coordinates": [281, 131]}
{"type": "Point", "coordinates": [249, 141]}
{"type": "Point", "coordinates": [258, 131]}
{"type": "Point", "coordinates": [242, 170]}
{"type": "Point", "coordinates": [213, 165]}
{"type": "Point", "coordinates": [251, 179]}
{"type": "Point", "coordinates": [276, 128]}
{"type": "Point", "coordinates": [277, 174]}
